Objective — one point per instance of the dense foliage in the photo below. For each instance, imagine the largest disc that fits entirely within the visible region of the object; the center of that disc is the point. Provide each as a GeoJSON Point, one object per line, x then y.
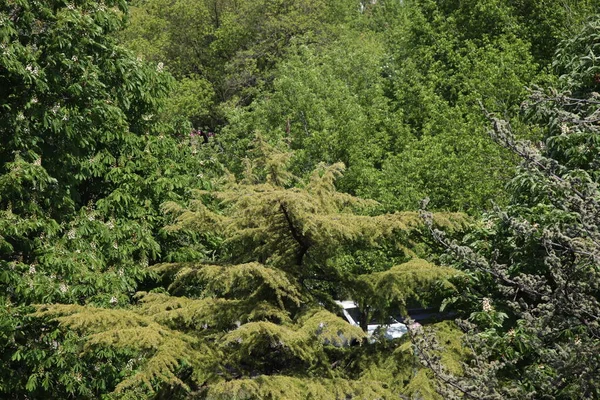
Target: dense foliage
{"type": "Point", "coordinates": [536, 261]}
{"type": "Point", "coordinates": [85, 166]}
{"type": "Point", "coordinates": [262, 317]}
{"type": "Point", "coordinates": [139, 260]}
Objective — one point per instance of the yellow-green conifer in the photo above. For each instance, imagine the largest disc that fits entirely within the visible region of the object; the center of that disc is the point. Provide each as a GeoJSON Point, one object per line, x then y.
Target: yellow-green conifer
{"type": "Point", "coordinates": [260, 321]}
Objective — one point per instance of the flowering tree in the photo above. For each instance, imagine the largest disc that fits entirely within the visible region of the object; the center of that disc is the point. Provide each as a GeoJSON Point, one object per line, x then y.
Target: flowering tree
{"type": "Point", "coordinates": [537, 261]}
{"type": "Point", "coordinates": [84, 166]}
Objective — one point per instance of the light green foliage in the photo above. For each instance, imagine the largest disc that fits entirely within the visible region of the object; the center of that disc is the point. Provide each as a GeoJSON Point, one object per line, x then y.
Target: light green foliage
{"type": "Point", "coordinates": [329, 104]}
{"type": "Point", "coordinates": [414, 280]}
{"type": "Point", "coordinates": [291, 226]}
{"type": "Point", "coordinates": [168, 332]}
{"type": "Point", "coordinates": [257, 320]}
{"type": "Point", "coordinates": [228, 281]}
{"type": "Point", "coordinates": [443, 61]}
{"type": "Point", "coordinates": [398, 106]}
{"type": "Point", "coordinates": [233, 45]}
{"type": "Point", "coordinates": [190, 100]}
{"type": "Point", "coordinates": [163, 349]}
{"type": "Point", "coordinates": [284, 388]}
{"type": "Point", "coordinates": [390, 89]}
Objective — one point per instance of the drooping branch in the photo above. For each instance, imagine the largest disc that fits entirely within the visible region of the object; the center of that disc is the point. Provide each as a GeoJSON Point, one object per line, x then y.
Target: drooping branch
{"type": "Point", "coordinates": [451, 386]}
{"type": "Point", "coordinates": [468, 255]}
{"type": "Point", "coordinates": [587, 203]}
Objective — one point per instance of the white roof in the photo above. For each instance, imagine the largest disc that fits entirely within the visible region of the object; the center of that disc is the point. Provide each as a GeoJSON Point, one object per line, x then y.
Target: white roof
{"type": "Point", "coordinates": [346, 304]}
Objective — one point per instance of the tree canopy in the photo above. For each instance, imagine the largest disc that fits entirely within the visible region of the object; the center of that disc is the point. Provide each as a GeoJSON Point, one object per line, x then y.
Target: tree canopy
{"type": "Point", "coordinates": [262, 317]}
{"type": "Point", "coordinates": [188, 189]}
{"type": "Point", "coordinates": [536, 260]}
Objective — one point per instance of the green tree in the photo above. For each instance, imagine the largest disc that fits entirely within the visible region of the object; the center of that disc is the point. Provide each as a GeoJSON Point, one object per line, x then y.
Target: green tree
{"type": "Point", "coordinates": [329, 104]}
{"type": "Point", "coordinates": [444, 57]}
{"type": "Point", "coordinates": [260, 321]}
{"type": "Point", "coordinates": [536, 261]}
{"type": "Point", "coordinates": [395, 96]}
{"type": "Point", "coordinates": [232, 46]}
{"type": "Point", "coordinates": [84, 165]}
{"type": "Point", "coordinates": [545, 24]}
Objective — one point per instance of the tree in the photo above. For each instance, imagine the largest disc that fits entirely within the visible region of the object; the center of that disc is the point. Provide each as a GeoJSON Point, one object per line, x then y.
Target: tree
{"type": "Point", "coordinates": [328, 103]}
{"type": "Point", "coordinates": [259, 320]}
{"type": "Point", "coordinates": [230, 46]}
{"type": "Point", "coordinates": [537, 260]}
{"type": "Point", "coordinates": [84, 165]}
{"type": "Point", "coordinates": [545, 25]}
{"type": "Point", "coordinates": [442, 58]}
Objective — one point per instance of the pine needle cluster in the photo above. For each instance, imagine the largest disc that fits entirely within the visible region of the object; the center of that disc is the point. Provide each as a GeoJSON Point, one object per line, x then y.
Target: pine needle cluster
{"type": "Point", "coordinates": [261, 321]}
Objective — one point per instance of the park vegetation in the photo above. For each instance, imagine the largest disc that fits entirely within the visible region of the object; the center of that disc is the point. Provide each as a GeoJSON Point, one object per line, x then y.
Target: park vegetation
{"type": "Point", "coordinates": [187, 187]}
